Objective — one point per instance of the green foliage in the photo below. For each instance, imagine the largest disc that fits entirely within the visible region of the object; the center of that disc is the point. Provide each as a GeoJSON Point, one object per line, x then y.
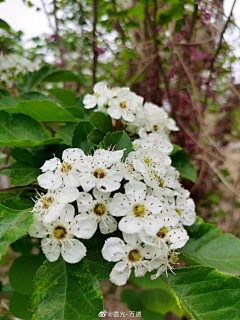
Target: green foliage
{"type": "Point", "coordinates": [4, 25]}
{"type": "Point", "coordinates": [44, 111]}
{"type": "Point", "coordinates": [13, 225]}
{"type": "Point", "coordinates": [65, 291]}
{"type": "Point", "coordinates": [66, 132]}
{"type": "Point", "coordinates": [23, 271]}
{"type": "Point", "coordinates": [59, 75]}
{"type": "Point", "coordinates": [208, 246]}
{"type": "Point", "coordinates": [24, 176]}
{"type": "Point", "coordinates": [118, 141]}
{"type": "Point", "coordinates": [206, 294]}
{"type": "Point", "coordinates": [18, 306]}
{"type": "Point", "coordinates": [81, 136]}
{"type": "Point", "coordinates": [20, 130]}
{"type": "Point", "coordinates": [181, 162]}
{"type": "Point", "coordinates": [67, 97]}
{"type": "Point", "coordinates": [102, 125]}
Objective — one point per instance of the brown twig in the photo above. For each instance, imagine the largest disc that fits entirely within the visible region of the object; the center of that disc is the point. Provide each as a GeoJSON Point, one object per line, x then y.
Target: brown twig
{"type": "Point", "coordinates": [95, 54]}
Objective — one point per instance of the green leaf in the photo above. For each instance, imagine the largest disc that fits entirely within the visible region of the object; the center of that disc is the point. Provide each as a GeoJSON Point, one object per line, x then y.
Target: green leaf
{"type": "Point", "coordinates": [4, 25]}
{"type": "Point", "coordinates": [208, 246]}
{"type": "Point", "coordinates": [24, 176]}
{"type": "Point", "coordinates": [25, 245]}
{"type": "Point", "coordinates": [14, 225]}
{"type": "Point", "coordinates": [18, 306]}
{"type": "Point", "coordinates": [177, 11]}
{"type": "Point", "coordinates": [102, 125]}
{"type": "Point", "coordinates": [32, 79]}
{"type": "Point", "coordinates": [181, 162]}
{"type": "Point", "coordinates": [23, 271]}
{"type": "Point", "coordinates": [5, 194]}
{"type": "Point", "coordinates": [65, 291]}
{"type": "Point", "coordinates": [60, 75]}
{"type": "Point", "coordinates": [8, 102]}
{"type": "Point", "coordinates": [20, 130]}
{"type": "Point", "coordinates": [36, 96]}
{"type": "Point", "coordinates": [67, 97]}
{"type": "Point", "coordinates": [81, 136]}
{"type": "Point", "coordinates": [66, 133]}
{"type": "Point", "coordinates": [18, 203]}
{"type": "Point", "coordinates": [44, 111]}
{"type": "Point", "coordinates": [118, 141]}
{"type": "Point", "coordinates": [76, 112]}
{"type": "Point", "coordinates": [206, 294]}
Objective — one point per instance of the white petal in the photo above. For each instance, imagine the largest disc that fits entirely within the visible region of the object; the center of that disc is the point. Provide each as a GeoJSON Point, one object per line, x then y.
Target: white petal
{"type": "Point", "coordinates": [84, 202]}
{"type": "Point", "coordinates": [109, 225]}
{"type": "Point", "coordinates": [135, 191]}
{"type": "Point", "coordinates": [140, 271]}
{"type": "Point", "coordinates": [178, 237]}
{"type": "Point", "coordinates": [37, 229]}
{"type": "Point", "coordinates": [89, 101]}
{"type": "Point", "coordinates": [113, 249]}
{"type": "Point", "coordinates": [100, 87]}
{"type": "Point", "coordinates": [114, 112]}
{"type": "Point", "coordinates": [71, 179]}
{"type": "Point", "coordinates": [130, 225]}
{"type": "Point", "coordinates": [119, 206]}
{"type": "Point", "coordinates": [153, 205]}
{"type": "Point", "coordinates": [73, 251]}
{"type": "Point", "coordinates": [132, 239]}
{"type": "Point", "coordinates": [128, 115]}
{"type": "Point", "coordinates": [83, 226]}
{"type": "Point", "coordinates": [188, 217]}
{"type": "Point", "coordinates": [68, 194]}
{"type": "Point", "coordinates": [87, 181]}
{"type": "Point", "coordinates": [120, 273]}
{"type": "Point", "coordinates": [49, 180]}
{"type": "Point", "coordinates": [51, 165]}
{"type": "Point", "coordinates": [68, 213]}
{"type": "Point", "coordinates": [151, 225]}
{"type": "Point", "coordinates": [53, 213]}
{"type": "Point", "coordinates": [50, 249]}
{"type": "Point", "coordinates": [73, 154]}
{"type": "Point", "coordinates": [101, 196]}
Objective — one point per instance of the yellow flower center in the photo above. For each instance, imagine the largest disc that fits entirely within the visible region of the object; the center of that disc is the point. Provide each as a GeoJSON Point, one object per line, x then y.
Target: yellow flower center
{"type": "Point", "coordinates": [60, 232]}
{"type": "Point", "coordinates": [160, 181]}
{"type": "Point", "coordinates": [162, 233]}
{"type": "Point", "coordinates": [175, 259]}
{"type": "Point", "coordinates": [123, 105]}
{"type": "Point", "coordinates": [134, 255]}
{"type": "Point", "coordinates": [179, 211]}
{"type": "Point", "coordinates": [99, 173]}
{"type": "Point", "coordinates": [147, 161]}
{"type": "Point", "coordinates": [46, 202]}
{"type": "Point", "coordinates": [66, 167]}
{"type": "Point", "coordinates": [139, 210]}
{"type": "Point", "coordinates": [155, 127]}
{"type": "Point", "coordinates": [99, 209]}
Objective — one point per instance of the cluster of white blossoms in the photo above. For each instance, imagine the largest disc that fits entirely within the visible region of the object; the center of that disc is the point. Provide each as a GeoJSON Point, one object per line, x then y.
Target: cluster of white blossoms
{"type": "Point", "coordinates": [12, 64]}
{"type": "Point", "coordinates": [123, 105]}
{"type": "Point", "coordinates": [139, 196]}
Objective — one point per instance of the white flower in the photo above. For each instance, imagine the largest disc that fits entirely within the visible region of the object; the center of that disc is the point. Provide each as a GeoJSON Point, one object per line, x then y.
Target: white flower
{"type": "Point", "coordinates": [57, 174]}
{"type": "Point", "coordinates": [170, 232]}
{"type": "Point", "coordinates": [98, 209]}
{"type": "Point", "coordinates": [124, 105]}
{"type": "Point", "coordinates": [170, 258]}
{"type": "Point", "coordinates": [129, 172]}
{"type": "Point", "coordinates": [99, 97]}
{"type": "Point", "coordinates": [158, 180]}
{"type": "Point", "coordinates": [185, 208]}
{"type": "Point", "coordinates": [58, 236]}
{"type": "Point", "coordinates": [152, 140]}
{"type": "Point", "coordinates": [103, 171]}
{"type": "Point", "coordinates": [50, 205]}
{"type": "Point", "coordinates": [139, 210]}
{"type": "Point", "coordinates": [129, 254]}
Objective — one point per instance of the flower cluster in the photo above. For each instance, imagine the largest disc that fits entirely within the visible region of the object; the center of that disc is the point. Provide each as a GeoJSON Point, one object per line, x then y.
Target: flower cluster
{"type": "Point", "coordinates": [12, 64]}
{"type": "Point", "coordinates": [128, 107]}
{"type": "Point", "coordinates": [139, 195]}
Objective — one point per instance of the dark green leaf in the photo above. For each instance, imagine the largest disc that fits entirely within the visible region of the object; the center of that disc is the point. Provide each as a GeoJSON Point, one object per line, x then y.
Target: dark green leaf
{"type": "Point", "coordinates": [35, 95]}
{"type": "Point", "coordinates": [24, 176]}
{"type": "Point", "coordinates": [65, 75]}
{"type": "Point", "coordinates": [66, 133]}
{"type": "Point", "coordinates": [8, 102]}
{"type": "Point", "coordinates": [18, 306]}
{"type": "Point", "coordinates": [23, 271]}
{"type": "Point", "coordinates": [118, 141]}
{"type": "Point", "coordinates": [181, 162]}
{"type": "Point", "coordinates": [5, 194]}
{"type": "Point", "coordinates": [67, 97]}
{"type": "Point", "coordinates": [14, 225]}
{"type": "Point", "coordinates": [4, 25]}
{"type": "Point", "coordinates": [76, 112]}
{"type": "Point", "coordinates": [18, 203]}
{"type": "Point", "coordinates": [208, 246]}
{"type": "Point", "coordinates": [63, 291]}
{"type": "Point", "coordinates": [206, 294]}
{"type": "Point", "coordinates": [20, 130]}
{"type": "Point", "coordinates": [102, 125]}
{"type": "Point", "coordinates": [81, 136]}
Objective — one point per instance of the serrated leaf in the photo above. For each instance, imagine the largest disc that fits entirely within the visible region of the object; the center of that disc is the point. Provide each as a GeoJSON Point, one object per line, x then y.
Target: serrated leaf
{"type": "Point", "coordinates": [66, 133]}
{"type": "Point", "coordinates": [20, 130]}
{"type": "Point", "coordinates": [65, 291]}
{"type": "Point", "coordinates": [43, 110]}
{"type": "Point", "coordinates": [209, 246]}
{"type": "Point", "coordinates": [206, 294]}
{"type": "Point", "coordinates": [23, 271]}
{"type": "Point", "coordinates": [118, 141]}
{"type": "Point", "coordinates": [14, 225]}
{"type": "Point", "coordinates": [181, 162]}
{"type": "Point", "coordinates": [24, 176]}
{"type": "Point", "coordinates": [81, 136]}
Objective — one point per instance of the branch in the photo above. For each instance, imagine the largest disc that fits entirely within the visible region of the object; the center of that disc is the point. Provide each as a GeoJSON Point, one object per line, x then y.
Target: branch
{"type": "Point", "coordinates": [57, 31]}
{"type": "Point", "coordinates": [95, 54]}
